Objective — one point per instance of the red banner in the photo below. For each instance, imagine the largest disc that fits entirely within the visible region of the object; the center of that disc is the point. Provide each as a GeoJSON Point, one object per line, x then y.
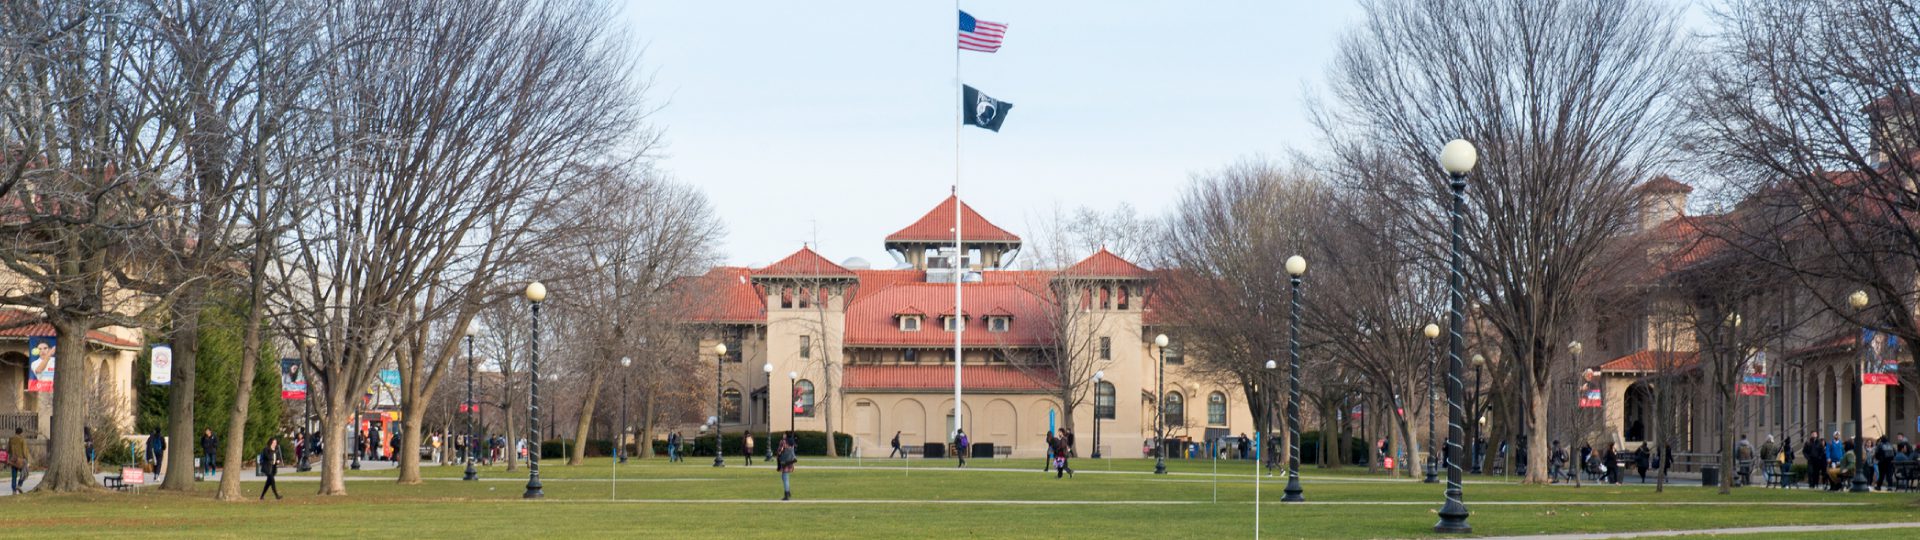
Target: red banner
{"type": "Point", "coordinates": [1590, 398]}
{"type": "Point", "coordinates": [1753, 389]}
{"type": "Point", "coordinates": [1885, 379]}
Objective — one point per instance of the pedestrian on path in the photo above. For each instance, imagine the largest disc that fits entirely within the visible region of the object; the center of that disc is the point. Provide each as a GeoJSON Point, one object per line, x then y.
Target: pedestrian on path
{"type": "Point", "coordinates": [673, 447]}
{"type": "Point", "coordinates": [156, 450]}
{"type": "Point", "coordinates": [19, 459]}
{"type": "Point", "coordinates": [960, 445]}
{"type": "Point", "coordinates": [785, 465]}
{"type": "Point", "coordinates": [209, 447]}
{"type": "Point", "coordinates": [1060, 456]}
{"type": "Point", "coordinates": [896, 446]}
{"type": "Point", "coordinates": [270, 467]}
{"type": "Point", "coordinates": [748, 441]}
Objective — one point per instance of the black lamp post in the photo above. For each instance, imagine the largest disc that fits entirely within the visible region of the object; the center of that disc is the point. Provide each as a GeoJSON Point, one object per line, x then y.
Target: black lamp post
{"type": "Point", "coordinates": [620, 448]}
{"type": "Point", "coordinates": [1475, 405]}
{"type": "Point", "coordinates": [768, 369]}
{"type": "Point", "coordinates": [358, 441]}
{"type": "Point", "coordinates": [1160, 405]}
{"type": "Point", "coordinates": [1296, 267]}
{"type": "Point", "coordinates": [472, 474]}
{"type": "Point", "coordinates": [1458, 159]}
{"type": "Point", "coordinates": [1097, 375]}
{"type": "Point", "coordinates": [719, 406]}
{"type": "Point", "coordinates": [306, 425]}
{"type": "Point", "coordinates": [1859, 485]}
{"type": "Point", "coordinates": [793, 381]}
{"type": "Point", "coordinates": [535, 293]}
{"type": "Point", "coordinates": [1432, 331]}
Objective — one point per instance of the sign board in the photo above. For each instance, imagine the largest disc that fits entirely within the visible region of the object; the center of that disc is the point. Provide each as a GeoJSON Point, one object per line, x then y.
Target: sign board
{"type": "Point", "coordinates": [293, 379]}
{"type": "Point", "coordinates": [133, 476]}
{"type": "Point", "coordinates": [1591, 397]}
{"type": "Point", "coordinates": [1881, 364]}
{"type": "Point", "coordinates": [160, 371]}
{"type": "Point", "coordinates": [41, 363]}
{"type": "Point", "coordinates": [1753, 375]}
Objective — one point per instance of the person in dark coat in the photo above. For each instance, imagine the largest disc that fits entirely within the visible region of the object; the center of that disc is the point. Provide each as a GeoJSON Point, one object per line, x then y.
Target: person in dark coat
{"type": "Point", "coordinates": [896, 446]}
{"type": "Point", "coordinates": [1611, 460]}
{"type": "Point", "coordinates": [156, 450]}
{"type": "Point", "coordinates": [270, 467]}
{"type": "Point", "coordinates": [1816, 455]}
{"type": "Point", "coordinates": [784, 463]}
{"type": "Point", "coordinates": [209, 447]}
{"type": "Point", "coordinates": [1060, 465]}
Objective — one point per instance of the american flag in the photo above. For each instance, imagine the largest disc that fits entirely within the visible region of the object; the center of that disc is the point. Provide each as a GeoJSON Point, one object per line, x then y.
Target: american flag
{"type": "Point", "coordinates": [978, 35]}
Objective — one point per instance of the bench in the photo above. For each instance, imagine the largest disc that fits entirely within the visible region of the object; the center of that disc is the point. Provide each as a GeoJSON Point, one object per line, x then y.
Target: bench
{"type": "Point", "coordinates": [129, 478]}
{"type": "Point", "coordinates": [1000, 451]}
{"type": "Point", "coordinates": [1777, 476]}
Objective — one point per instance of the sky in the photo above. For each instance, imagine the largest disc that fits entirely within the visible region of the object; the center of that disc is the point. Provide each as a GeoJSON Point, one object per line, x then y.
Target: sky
{"type": "Point", "coordinates": [833, 122]}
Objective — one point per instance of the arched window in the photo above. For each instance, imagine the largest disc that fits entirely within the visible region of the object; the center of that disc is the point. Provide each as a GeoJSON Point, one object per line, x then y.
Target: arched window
{"type": "Point", "coordinates": [1103, 400]}
{"type": "Point", "coordinates": [1176, 407]}
{"type": "Point", "coordinates": [803, 398]}
{"type": "Point", "coordinates": [1216, 409]}
{"type": "Point", "coordinates": [730, 406]}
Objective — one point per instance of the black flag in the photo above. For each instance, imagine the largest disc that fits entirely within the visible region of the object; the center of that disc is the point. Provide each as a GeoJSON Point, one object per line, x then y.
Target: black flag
{"type": "Point", "coordinates": [980, 110]}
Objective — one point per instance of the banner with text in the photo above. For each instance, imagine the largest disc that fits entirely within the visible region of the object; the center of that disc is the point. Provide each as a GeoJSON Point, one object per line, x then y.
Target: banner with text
{"type": "Point", "coordinates": [1753, 376]}
{"type": "Point", "coordinates": [293, 379]}
{"type": "Point", "coordinates": [1882, 361]}
{"type": "Point", "coordinates": [160, 365]}
{"type": "Point", "coordinates": [41, 360]}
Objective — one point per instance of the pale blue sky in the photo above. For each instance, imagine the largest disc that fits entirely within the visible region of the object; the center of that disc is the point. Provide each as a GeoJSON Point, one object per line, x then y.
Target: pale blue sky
{"type": "Point", "coordinates": [836, 118]}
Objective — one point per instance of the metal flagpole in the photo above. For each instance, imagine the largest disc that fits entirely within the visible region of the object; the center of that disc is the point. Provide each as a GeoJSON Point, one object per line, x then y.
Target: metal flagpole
{"type": "Point", "coordinates": [960, 327]}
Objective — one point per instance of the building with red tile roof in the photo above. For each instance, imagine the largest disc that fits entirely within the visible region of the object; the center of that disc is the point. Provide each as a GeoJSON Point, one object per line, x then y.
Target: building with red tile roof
{"type": "Point", "coordinates": [875, 349]}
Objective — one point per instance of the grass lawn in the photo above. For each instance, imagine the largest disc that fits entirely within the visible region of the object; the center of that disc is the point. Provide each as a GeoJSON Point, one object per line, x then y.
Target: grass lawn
{"type": "Point", "coordinates": [881, 499]}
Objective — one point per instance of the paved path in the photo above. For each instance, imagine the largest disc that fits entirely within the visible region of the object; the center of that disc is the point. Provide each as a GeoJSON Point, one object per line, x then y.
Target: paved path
{"type": "Point", "coordinates": [1738, 530]}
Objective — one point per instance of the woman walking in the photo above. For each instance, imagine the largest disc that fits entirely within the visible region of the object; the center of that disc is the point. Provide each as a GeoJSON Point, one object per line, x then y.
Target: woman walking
{"type": "Point", "coordinates": [270, 466]}
{"type": "Point", "coordinates": [785, 464]}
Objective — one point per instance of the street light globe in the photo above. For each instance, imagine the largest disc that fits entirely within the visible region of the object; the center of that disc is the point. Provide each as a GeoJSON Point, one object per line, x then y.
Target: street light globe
{"type": "Point", "coordinates": [1272, 364]}
{"type": "Point", "coordinates": [1858, 299]}
{"type": "Point", "coordinates": [309, 342]}
{"type": "Point", "coordinates": [536, 292]}
{"type": "Point", "coordinates": [473, 329]}
{"type": "Point", "coordinates": [1479, 359]}
{"type": "Point", "coordinates": [720, 349]}
{"type": "Point", "coordinates": [1296, 266]}
{"type": "Point", "coordinates": [1097, 375]}
{"type": "Point", "coordinates": [1160, 340]}
{"type": "Point", "coordinates": [768, 368]}
{"type": "Point", "coordinates": [1432, 331]}
{"type": "Point", "coordinates": [626, 361]}
{"type": "Point", "coordinates": [1458, 157]}
{"type": "Point", "coordinates": [1575, 348]}
{"type": "Point", "coordinates": [793, 374]}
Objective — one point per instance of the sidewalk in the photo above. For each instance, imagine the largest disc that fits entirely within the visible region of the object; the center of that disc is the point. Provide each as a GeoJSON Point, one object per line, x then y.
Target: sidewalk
{"type": "Point", "coordinates": [33, 480]}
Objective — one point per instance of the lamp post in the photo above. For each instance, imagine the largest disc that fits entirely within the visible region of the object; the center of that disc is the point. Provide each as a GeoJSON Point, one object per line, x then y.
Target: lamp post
{"type": "Point", "coordinates": [358, 444]}
{"type": "Point", "coordinates": [1160, 404]}
{"type": "Point", "coordinates": [1432, 331]}
{"type": "Point", "coordinates": [793, 381]}
{"type": "Point", "coordinates": [1261, 436]}
{"type": "Point", "coordinates": [306, 426]}
{"type": "Point", "coordinates": [1097, 375]}
{"type": "Point", "coordinates": [1473, 443]}
{"type": "Point", "coordinates": [1858, 300]}
{"type": "Point", "coordinates": [1296, 267]}
{"type": "Point", "coordinates": [620, 448]}
{"type": "Point", "coordinates": [472, 474]}
{"type": "Point", "coordinates": [1457, 158]}
{"type": "Point", "coordinates": [719, 406]}
{"type": "Point", "coordinates": [535, 293]}
{"type": "Point", "coordinates": [768, 369]}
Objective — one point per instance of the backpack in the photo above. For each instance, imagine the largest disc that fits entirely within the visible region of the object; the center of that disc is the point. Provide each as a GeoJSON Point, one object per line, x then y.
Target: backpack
{"type": "Point", "coordinates": [787, 457]}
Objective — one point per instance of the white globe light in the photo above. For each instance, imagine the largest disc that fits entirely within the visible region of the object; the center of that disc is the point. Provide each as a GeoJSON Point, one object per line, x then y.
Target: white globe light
{"type": "Point", "coordinates": [1296, 266]}
{"type": "Point", "coordinates": [1432, 331]}
{"type": "Point", "coordinates": [1858, 299]}
{"type": "Point", "coordinates": [536, 292]}
{"type": "Point", "coordinates": [1458, 157]}
{"type": "Point", "coordinates": [1575, 347]}
{"type": "Point", "coordinates": [767, 368]}
{"type": "Point", "coordinates": [1272, 364]}
{"type": "Point", "coordinates": [626, 361]}
{"type": "Point", "coordinates": [720, 349]}
{"type": "Point", "coordinates": [1160, 340]}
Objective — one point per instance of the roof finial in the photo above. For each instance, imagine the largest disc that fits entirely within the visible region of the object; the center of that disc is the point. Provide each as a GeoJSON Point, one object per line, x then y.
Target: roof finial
{"type": "Point", "coordinates": [954, 190]}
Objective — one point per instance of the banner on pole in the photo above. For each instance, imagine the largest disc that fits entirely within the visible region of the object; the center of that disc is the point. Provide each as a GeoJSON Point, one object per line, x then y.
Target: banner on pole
{"type": "Point", "coordinates": [293, 379]}
{"type": "Point", "coordinates": [41, 360]}
{"type": "Point", "coordinates": [1753, 375]}
{"type": "Point", "coordinates": [1590, 397]}
{"type": "Point", "coordinates": [1882, 363]}
{"type": "Point", "coordinates": [160, 370]}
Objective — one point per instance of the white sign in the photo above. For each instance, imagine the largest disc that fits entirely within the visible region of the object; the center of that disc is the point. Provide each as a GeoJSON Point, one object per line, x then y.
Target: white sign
{"type": "Point", "coordinates": [162, 372]}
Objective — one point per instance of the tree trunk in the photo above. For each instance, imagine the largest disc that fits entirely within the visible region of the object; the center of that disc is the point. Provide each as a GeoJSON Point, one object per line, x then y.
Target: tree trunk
{"type": "Point", "coordinates": [333, 437]}
{"type": "Point", "coordinates": [828, 403]}
{"type": "Point", "coordinates": [583, 429]}
{"type": "Point", "coordinates": [67, 466]}
{"type": "Point", "coordinates": [1537, 434]}
{"type": "Point", "coordinates": [410, 436]}
{"type": "Point", "coordinates": [1727, 466]}
{"type": "Point", "coordinates": [186, 348]}
{"type": "Point", "coordinates": [645, 441]}
{"type": "Point", "coordinates": [242, 400]}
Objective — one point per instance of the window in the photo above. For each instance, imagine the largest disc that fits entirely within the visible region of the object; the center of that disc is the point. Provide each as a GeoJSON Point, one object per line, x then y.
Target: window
{"type": "Point", "coordinates": [910, 356]}
{"type": "Point", "coordinates": [806, 346]}
{"type": "Point", "coordinates": [996, 324]}
{"type": "Point", "coordinates": [1175, 410]}
{"type": "Point", "coordinates": [1174, 353]}
{"type": "Point", "coordinates": [910, 323]}
{"type": "Point", "coordinates": [803, 398]}
{"type": "Point", "coordinates": [734, 350]}
{"type": "Point", "coordinates": [1106, 348]}
{"type": "Point", "coordinates": [730, 406]}
{"type": "Point", "coordinates": [1103, 400]}
{"type": "Point", "coordinates": [952, 323]}
{"type": "Point", "coordinates": [999, 356]}
{"type": "Point", "coordinates": [1216, 409]}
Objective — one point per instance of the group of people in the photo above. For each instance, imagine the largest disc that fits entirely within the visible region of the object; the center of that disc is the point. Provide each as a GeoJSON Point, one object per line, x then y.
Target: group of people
{"type": "Point", "coordinates": [1607, 463]}
{"type": "Point", "coordinates": [1839, 460]}
{"type": "Point", "coordinates": [1059, 446]}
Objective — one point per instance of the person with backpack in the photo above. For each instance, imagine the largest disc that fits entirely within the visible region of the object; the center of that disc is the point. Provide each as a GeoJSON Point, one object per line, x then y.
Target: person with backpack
{"type": "Point", "coordinates": [156, 450]}
{"type": "Point", "coordinates": [785, 465]}
{"type": "Point", "coordinates": [896, 446]}
{"type": "Point", "coordinates": [1060, 456]}
{"type": "Point", "coordinates": [960, 445]}
{"type": "Point", "coordinates": [269, 467]}
{"type": "Point", "coordinates": [19, 458]}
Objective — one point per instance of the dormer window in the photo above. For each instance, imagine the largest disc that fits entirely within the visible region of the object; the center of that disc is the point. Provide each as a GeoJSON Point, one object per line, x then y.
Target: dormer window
{"type": "Point", "coordinates": [953, 323]}
{"type": "Point", "coordinates": [910, 323]}
{"type": "Point", "coordinates": [997, 324]}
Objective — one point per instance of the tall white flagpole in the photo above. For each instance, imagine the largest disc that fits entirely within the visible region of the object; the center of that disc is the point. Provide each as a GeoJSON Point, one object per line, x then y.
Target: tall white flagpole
{"type": "Point", "coordinates": [958, 251]}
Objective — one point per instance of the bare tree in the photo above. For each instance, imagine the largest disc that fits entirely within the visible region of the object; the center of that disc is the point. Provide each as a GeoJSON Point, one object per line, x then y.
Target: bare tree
{"type": "Point", "coordinates": [1569, 102]}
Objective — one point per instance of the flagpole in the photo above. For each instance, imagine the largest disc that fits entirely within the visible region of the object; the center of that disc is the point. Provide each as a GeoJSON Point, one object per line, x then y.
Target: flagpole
{"type": "Point", "coordinates": [958, 252]}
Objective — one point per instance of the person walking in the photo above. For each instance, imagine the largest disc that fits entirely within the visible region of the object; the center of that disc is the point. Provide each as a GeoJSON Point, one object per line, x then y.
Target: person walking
{"type": "Point", "coordinates": [270, 467]}
{"type": "Point", "coordinates": [1640, 459]}
{"type": "Point", "coordinates": [1060, 465]}
{"type": "Point", "coordinates": [673, 447]}
{"type": "Point", "coordinates": [960, 445]}
{"type": "Point", "coordinates": [785, 465]}
{"type": "Point", "coordinates": [209, 447]}
{"type": "Point", "coordinates": [19, 459]}
{"type": "Point", "coordinates": [896, 446]}
{"type": "Point", "coordinates": [1047, 464]}
{"type": "Point", "coordinates": [1816, 456]}
{"type": "Point", "coordinates": [156, 450]}
{"type": "Point", "coordinates": [747, 441]}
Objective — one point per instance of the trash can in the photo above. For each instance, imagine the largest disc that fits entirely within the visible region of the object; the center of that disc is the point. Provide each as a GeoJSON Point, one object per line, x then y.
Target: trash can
{"type": "Point", "coordinates": [1709, 475]}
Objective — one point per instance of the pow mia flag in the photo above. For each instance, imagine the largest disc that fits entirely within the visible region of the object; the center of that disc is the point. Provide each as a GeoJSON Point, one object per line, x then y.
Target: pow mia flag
{"type": "Point", "coordinates": [980, 110]}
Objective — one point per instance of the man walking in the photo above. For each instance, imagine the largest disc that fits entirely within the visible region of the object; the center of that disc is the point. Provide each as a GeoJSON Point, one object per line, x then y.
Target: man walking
{"type": "Point", "coordinates": [960, 445]}
{"type": "Point", "coordinates": [156, 450]}
{"type": "Point", "coordinates": [673, 447]}
{"type": "Point", "coordinates": [747, 441]}
{"type": "Point", "coordinates": [19, 458]}
{"type": "Point", "coordinates": [896, 446]}
{"type": "Point", "coordinates": [1816, 455]}
{"type": "Point", "coordinates": [1060, 465]}
{"type": "Point", "coordinates": [209, 447]}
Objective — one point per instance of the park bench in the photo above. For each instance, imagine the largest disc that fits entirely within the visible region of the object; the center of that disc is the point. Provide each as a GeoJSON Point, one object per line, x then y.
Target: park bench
{"type": "Point", "coordinates": [1002, 451]}
{"type": "Point", "coordinates": [1776, 476]}
{"type": "Point", "coordinates": [910, 449]}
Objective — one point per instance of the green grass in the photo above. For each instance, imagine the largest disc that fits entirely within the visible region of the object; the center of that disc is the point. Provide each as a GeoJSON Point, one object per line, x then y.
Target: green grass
{"type": "Point", "coordinates": [693, 499]}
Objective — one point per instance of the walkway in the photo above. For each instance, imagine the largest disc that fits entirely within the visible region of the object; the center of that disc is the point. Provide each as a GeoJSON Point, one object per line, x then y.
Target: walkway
{"type": "Point", "coordinates": [1736, 530]}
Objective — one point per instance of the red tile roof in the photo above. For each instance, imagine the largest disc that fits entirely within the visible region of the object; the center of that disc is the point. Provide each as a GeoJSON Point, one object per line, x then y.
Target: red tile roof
{"type": "Point", "coordinates": [1652, 361]}
{"type": "Point", "coordinates": [937, 226]}
{"type": "Point", "coordinates": [804, 263]}
{"type": "Point", "coordinates": [724, 295]}
{"type": "Point", "coordinates": [1104, 264]}
{"type": "Point", "coordinates": [974, 378]}
{"type": "Point", "coordinates": [14, 323]}
{"type": "Point", "coordinates": [870, 318]}
{"type": "Point", "coordinates": [1663, 184]}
